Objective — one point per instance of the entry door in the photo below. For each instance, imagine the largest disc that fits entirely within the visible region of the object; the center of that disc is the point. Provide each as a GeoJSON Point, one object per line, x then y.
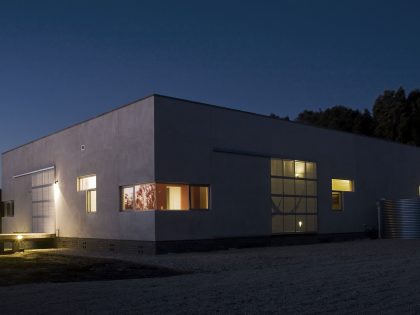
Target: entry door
{"type": "Point", "coordinates": [43, 205]}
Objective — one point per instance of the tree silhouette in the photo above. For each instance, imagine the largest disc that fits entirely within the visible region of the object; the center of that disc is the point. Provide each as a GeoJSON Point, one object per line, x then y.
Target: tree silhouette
{"type": "Point", "coordinates": [395, 117]}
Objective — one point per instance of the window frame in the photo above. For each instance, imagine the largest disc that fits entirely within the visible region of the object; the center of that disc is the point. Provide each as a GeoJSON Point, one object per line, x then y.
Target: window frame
{"type": "Point", "coordinates": [285, 169]}
{"type": "Point", "coordinates": [121, 197]}
{"type": "Point", "coordinates": [86, 176]}
{"type": "Point", "coordinates": [341, 193]}
{"type": "Point", "coordinates": [208, 197]}
{"type": "Point", "coordinates": [88, 192]}
{"type": "Point", "coordinates": [88, 201]}
{"type": "Point", "coordinates": [341, 200]}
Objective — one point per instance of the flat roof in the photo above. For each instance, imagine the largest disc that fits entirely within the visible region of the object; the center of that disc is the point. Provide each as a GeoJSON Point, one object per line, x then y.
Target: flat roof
{"type": "Point", "coordinates": [208, 105]}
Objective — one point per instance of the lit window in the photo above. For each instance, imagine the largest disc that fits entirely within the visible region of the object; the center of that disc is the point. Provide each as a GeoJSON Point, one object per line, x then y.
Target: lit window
{"type": "Point", "coordinates": [86, 183]}
{"type": "Point", "coordinates": [127, 198]}
{"type": "Point", "coordinates": [145, 197]}
{"type": "Point", "coordinates": [339, 187]}
{"type": "Point", "coordinates": [91, 200]}
{"type": "Point", "coordinates": [293, 196]}
{"type": "Point", "coordinates": [158, 196]}
{"type": "Point", "coordinates": [172, 197]}
{"type": "Point", "coordinates": [337, 200]}
{"type": "Point", "coordinates": [342, 185]}
{"type": "Point", "coordinates": [199, 196]}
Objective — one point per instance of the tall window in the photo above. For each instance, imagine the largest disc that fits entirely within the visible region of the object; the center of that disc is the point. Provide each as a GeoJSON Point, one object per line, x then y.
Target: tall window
{"type": "Point", "coordinates": [159, 196]}
{"type": "Point", "coordinates": [293, 196]}
{"type": "Point", "coordinates": [338, 187]}
{"type": "Point", "coordinates": [88, 184]}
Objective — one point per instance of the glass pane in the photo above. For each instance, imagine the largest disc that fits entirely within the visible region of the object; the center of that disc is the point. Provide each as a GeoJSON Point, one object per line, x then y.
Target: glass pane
{"type": "Point", "coordinates": [289, 186]}
{"type": "Point", "coordinates": [289, 205]}
{"type": "Point", "coordinates": [311, 205]}
{"type": "Point", "coordinates": [199, 196]}
{"type": "Point", "coordinates": [276, 167]}
{"type": "Point", "coordinates": [277, 186]}
{"type": "Point", "coordinates": [91, 201]}
{"type": "Point", "coordinates": [299, 169]}
{"type": "Point", "coordinates": [277, 224]}
{"type": "Point", "coordinates": [172, 197]}
{"type": "Point", "coordinates": [87, 183]}
{"type": "Point", "coordinates": [289, 223]}
{"type": "Point", "coordinates": [311, 170]}
{"type": "Point", "coordinates": [127, 198]}
{"type": "Point", "coordinates": [342, 185]}
{"type": "Point", "coordinates": [145, 197]}
{"type": "Point", "coordinates": [300, 187]}
{"type": "Point", "coordinates": [300, 204]}
{"type": "Point", "coordinates": [311, 188]}
{"type": "Point", "coordinates": [337, 200]}
{"type": "Point", "coordinates": [277, 204]}
{"type": "Point", "coordinates": [311, 223]}
{"type": "Point", "coordinates": [289, 168]}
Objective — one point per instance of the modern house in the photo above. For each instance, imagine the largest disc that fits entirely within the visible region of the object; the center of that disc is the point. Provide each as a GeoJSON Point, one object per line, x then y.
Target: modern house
{"type": "Point", "coordinates": [165, 169]}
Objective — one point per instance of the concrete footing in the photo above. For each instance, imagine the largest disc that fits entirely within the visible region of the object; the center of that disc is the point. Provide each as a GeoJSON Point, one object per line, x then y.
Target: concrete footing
{"type": "Point", "coordinates": [164, 247]}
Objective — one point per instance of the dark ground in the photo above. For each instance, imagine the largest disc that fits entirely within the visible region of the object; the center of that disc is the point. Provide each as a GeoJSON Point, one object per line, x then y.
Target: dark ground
{"type": "Point", "coordinates": [32, 267]}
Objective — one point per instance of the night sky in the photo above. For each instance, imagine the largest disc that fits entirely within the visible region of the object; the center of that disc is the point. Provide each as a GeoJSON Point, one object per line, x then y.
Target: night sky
{"type": "Point", "coordinates": [66, 61]}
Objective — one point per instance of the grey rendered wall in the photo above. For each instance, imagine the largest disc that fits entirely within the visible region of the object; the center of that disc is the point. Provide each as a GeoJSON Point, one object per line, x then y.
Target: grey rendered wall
{"type": "Point", "coordinates": [186, 134]}
{"type": "Point", "coordinates": [119, 150]}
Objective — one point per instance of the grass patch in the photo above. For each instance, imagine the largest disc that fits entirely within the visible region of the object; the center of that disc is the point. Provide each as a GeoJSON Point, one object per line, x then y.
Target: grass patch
{"type": "Point", "coordinates": [32, 267]}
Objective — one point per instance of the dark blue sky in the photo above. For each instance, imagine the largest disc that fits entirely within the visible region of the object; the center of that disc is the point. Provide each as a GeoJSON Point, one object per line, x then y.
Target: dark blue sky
{"type": "Point", "coordinates": [65, 61]}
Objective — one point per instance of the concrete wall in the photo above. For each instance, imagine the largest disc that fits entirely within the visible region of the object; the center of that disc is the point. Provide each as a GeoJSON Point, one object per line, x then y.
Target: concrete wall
{"type": "Point", "coordinates": [187, 134]}
{"type": "Point", "coordinates": [119, 150]}
{"type": "Point", "coordinates": [174, 141]}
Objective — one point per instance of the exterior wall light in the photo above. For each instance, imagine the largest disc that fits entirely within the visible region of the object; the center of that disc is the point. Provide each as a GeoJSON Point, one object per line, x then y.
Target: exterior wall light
{"type": "Point", "coordinates": [300, 223]}
{"type": "Point", "coordinates": [19, 237]}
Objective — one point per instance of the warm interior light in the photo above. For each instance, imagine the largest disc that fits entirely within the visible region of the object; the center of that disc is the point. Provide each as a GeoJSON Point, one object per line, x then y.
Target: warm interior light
{"type": "Point", "coordinates": [342, 185]}
{"type": "Point", "coordinates": [299, 169]}
{"type": "Point", "coordinates": [300, 223]}
{"type": "Point", "coordinates": [19, 237]}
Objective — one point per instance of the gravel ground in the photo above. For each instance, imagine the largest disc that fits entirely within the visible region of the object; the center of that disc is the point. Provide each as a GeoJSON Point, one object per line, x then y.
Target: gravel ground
{"type": "Point", "coordinates": [368, 277]}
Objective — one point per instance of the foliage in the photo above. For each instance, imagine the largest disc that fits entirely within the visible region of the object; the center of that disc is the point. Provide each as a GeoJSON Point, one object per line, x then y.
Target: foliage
{"type": "Point", "coordinates": [395, 117]}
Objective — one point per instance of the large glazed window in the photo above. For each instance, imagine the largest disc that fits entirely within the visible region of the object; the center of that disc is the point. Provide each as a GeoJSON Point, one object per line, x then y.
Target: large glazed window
{"type": "Point", "coordinates": [160, 196]}
{"type": "Point", "coordinates": [293, 196]}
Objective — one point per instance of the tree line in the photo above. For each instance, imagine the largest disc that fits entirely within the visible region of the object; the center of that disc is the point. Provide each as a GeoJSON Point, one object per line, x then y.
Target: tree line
{"type": "Point", "coordinates": [394, 116]}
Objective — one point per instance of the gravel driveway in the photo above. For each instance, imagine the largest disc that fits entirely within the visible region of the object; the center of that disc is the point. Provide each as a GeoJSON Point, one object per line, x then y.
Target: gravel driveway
{"type": "Point", "coordinates": [369, 276]}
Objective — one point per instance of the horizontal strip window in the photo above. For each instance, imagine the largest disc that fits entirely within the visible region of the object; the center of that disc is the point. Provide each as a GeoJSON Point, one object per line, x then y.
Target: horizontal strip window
{"type": "Point", "coordinates": [161, 196]}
